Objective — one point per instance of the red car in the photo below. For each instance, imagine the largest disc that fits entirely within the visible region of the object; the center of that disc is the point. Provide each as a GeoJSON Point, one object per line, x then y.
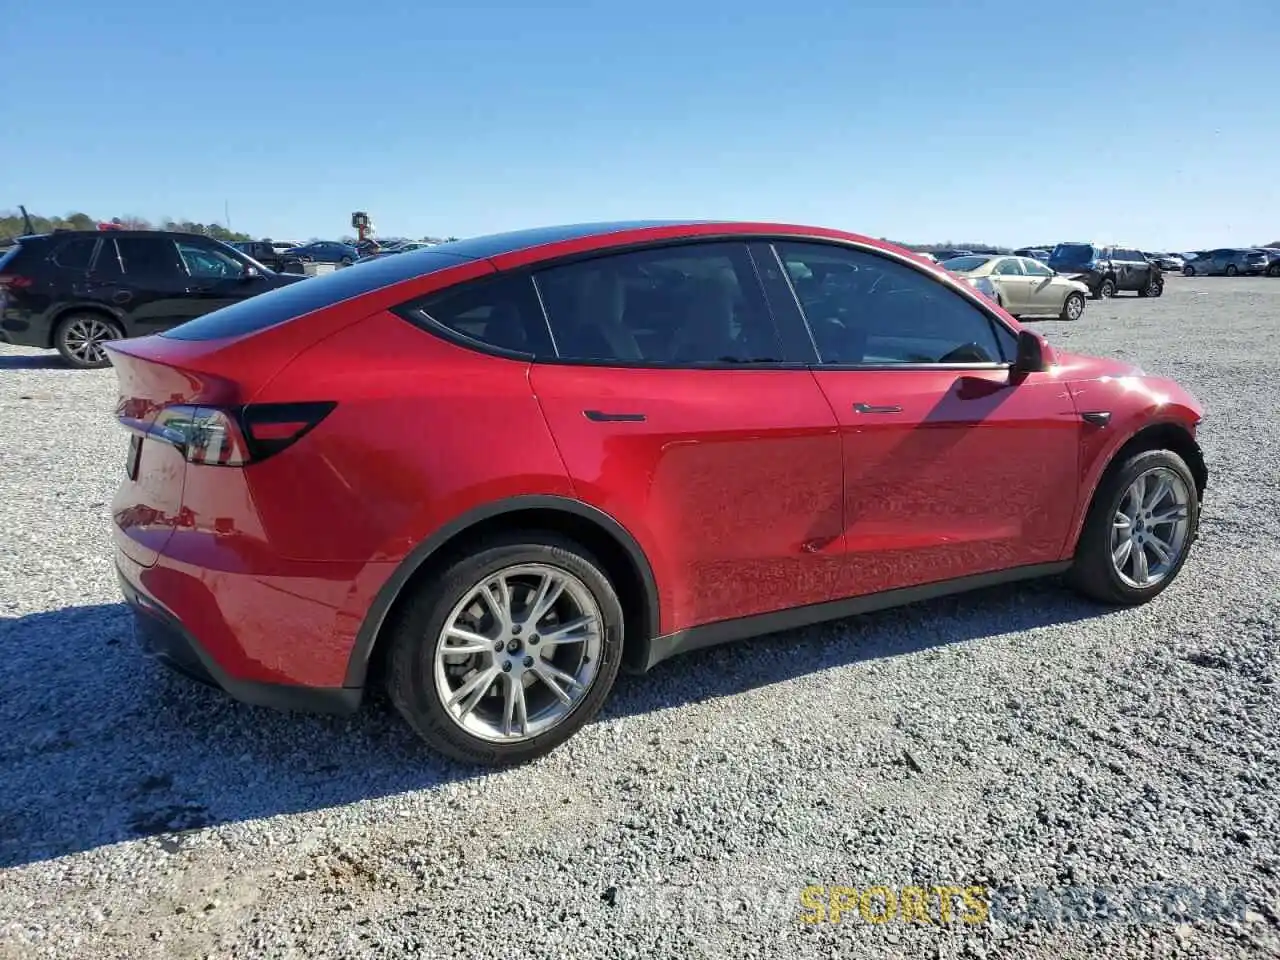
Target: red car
{"type": "Point", "coordinates": [490, 474]}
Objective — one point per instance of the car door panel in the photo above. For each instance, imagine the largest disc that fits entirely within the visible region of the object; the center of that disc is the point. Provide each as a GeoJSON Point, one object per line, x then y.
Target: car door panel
{"type": "Point", "coordinates": [143, 278]}
{"type": "Point", "coordinates": [732, 477]}
{"type": "Point", "coordinates": [964, 472]}
{"type": "Point", "coordinates": [952, 468]}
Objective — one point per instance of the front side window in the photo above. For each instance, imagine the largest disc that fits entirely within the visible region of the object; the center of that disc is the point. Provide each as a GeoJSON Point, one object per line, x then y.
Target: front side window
{"type": "Point", "coordinates": [149, 258]}
{"type": "Point", "coordinates": [684, 305]}
{"type": "Point", "coordinates": [868, 309]}
{"type": "Point", "coordinates": [206, 263]}
{"type": "Point", "coordinates": [500, 312]}
{"type": "Point", "coordinates": [1034, 268]}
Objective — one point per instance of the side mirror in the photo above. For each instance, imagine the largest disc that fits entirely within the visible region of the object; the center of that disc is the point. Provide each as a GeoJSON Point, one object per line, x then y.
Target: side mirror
{"type": "Point", "coordinates": [1030, 357]}
{"type": "Point", "coordinates": [251, 273]}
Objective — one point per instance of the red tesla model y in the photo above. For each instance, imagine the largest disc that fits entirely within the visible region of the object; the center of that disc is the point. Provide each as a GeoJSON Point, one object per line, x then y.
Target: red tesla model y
{"type": "Point", "coordinates": [489, 474]}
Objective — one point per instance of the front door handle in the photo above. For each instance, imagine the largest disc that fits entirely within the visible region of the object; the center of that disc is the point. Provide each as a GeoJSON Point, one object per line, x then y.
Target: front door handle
{"type": "Point", "coordinates": [600, 416]}
{"type": "Point", "coordinates": [872, 408]}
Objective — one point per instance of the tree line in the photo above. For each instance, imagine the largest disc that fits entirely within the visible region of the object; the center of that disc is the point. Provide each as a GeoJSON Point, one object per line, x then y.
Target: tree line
{"type": "Point", "coordinates": [13, 225]}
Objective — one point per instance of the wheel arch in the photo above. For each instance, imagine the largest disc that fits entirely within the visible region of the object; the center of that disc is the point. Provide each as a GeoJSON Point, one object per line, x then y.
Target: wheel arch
{"type": "Point", "coordinates": [626, 564]}
{"type": "Point", "coordinates": [1165, 435]}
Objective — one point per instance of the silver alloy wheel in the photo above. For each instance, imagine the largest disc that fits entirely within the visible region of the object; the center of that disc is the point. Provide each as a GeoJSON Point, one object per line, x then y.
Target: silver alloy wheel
{"type": "Point", "coordinates": [1150, 527]}
{"type": "Point", "coordinates": [518, 652]}
{"type": "Point", "coordinates": [1075, 306]}
{"type": "Point", "coordinates": [1106, 290]}
{"type": "Point", "coordinates": [85, 336]}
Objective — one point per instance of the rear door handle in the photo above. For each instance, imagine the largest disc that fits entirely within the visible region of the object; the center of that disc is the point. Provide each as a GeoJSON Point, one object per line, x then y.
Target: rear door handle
{"type": "Point", "coordinates": [600, 416]}
{"type": "Point", "coordinates": [872, 408]}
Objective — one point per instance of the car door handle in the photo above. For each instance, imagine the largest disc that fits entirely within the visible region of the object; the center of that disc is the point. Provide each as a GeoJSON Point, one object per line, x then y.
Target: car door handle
{"type": "Point", "coordinates": [600, 416]}
{"type": "Point", "coordinates": [872, 408]}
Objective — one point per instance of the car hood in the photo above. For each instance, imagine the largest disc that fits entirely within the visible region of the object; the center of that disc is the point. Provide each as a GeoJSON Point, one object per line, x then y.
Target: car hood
{"type": "Point", "coordinates": [1079, 366]}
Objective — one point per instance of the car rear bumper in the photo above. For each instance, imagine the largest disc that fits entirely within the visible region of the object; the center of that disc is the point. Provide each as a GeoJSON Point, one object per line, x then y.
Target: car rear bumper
{"type": "Point", "coordinates": [165, 637]}
{"type": "Point", "coordinates": [22, 331]}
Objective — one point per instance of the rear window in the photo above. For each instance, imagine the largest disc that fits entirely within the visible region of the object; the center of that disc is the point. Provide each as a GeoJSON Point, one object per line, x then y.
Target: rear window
{"type": "Point", "coordinates": [304, 296]}
{"type": "Point", "coordinates": [76, 253]}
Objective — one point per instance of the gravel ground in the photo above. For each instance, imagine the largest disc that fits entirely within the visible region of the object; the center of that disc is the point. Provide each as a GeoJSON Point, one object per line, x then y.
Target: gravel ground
{"type": "Point", "coordinates": [1018, 739]}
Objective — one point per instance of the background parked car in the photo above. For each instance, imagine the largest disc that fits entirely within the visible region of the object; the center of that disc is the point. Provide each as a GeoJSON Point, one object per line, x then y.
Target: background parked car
{"type": "Point", "coordinates": [75, 290]}
{"type": "Point", "coordinates": [270, 255]}
{"type": "Point", "coordinates": [325, 251]}
{"type": "Point", "coordinates": [1106, 270]}
{"type": "Point", "coordinates": [1273, 261]}
{"type": "Point", "coordinates": [1226, 262]}
{"type": "Point", "coordinates": [1022, 285]}
{"type": "Point", "coordinates": [1035, 253]}
{"type": "Point", "coordinates": [1167, 262]}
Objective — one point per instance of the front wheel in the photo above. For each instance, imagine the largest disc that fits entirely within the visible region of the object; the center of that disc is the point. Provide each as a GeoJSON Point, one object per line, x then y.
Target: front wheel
{"type": "Point", "coordinates": [80, 338]}
{"type": "Point", "coordinates": [1106, 289]}
{"type": "Point", "coordinates": [1073, 307]}
{"type": "Point", "coordinates": [1274, 269]}
{"type": "Point", "coordinates": [509, 651]}
{"type": "Point", "coordinates": [1232, 270]}
{"type": "Point", "coordinates": [1188, 271]}
{"type": "Point", "coordinates": [1153, 287]}
{"type": "Point", "coordinates": [1139, 530]}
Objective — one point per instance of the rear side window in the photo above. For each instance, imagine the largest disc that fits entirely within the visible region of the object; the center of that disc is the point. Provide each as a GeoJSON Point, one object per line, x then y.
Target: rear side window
{"type": "Point", "coordinates": [684, 305]}
{"type": "Point", "coordinates": [501, 312]}
{"type": "Point", "coordinates": [305, 296]}
{"type": "Point", "coordinates": [76, 253]}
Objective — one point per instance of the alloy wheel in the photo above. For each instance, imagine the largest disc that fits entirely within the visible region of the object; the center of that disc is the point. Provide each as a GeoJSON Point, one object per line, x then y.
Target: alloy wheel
{"type": "Point", "coordinates": [1150, 527]}
{"type": "Point", "coordinates": [518, 653]}
{"type": "Point", "coordinates": [1075, 307]}
{"type": "Point", "coordinates": [84, 339]}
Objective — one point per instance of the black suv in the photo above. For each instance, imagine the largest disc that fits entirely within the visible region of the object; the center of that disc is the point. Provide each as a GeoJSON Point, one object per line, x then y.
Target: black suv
{"type": "Point", "coordinates": [1107, 271]}
{"type": "Point", "coordinates": [72, 290]}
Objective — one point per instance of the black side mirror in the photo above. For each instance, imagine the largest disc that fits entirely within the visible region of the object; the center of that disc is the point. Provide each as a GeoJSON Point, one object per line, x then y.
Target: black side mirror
{"type": "Point", "coordinates": [1030, 357]}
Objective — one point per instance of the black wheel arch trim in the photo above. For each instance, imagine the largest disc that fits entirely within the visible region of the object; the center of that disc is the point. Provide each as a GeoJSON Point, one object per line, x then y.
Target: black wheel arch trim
{"type": "Point", "coordinates": [389, 593]}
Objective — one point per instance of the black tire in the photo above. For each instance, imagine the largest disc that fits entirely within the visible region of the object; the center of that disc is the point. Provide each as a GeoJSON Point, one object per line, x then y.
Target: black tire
{"type": "Point", "coordinates": [1093, 573]}
{"type": "Point", "coordinates": [1106, 289]}
{"type": "Point", "coordinates": [1188, 271]}
{"type": "Point", "coordinates": [345, 262]}
{"type": "Point", "coordinates": [1231, 270]}
{"type": "Point", "coordinates": [1152, 288]}
{"type": "Point", "coordinates": [1073, 299]}
{"type": "Point", "coordinates": [410, 658]}
{"type": "Point", "coordinates": [1274, 269]}
{"type": "Point", "coordinates": [73, 349]}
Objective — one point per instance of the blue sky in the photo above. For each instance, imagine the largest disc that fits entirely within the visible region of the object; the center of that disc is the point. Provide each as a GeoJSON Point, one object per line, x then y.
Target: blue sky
{"type": "Point", "coordinates": [1153, 124]}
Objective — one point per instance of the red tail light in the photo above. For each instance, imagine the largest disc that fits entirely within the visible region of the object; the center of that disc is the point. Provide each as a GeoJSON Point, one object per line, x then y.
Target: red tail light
{"type": "Point", "coordinates": [15, 282]}
{"type": "Point", "coordinates": [239, 436]}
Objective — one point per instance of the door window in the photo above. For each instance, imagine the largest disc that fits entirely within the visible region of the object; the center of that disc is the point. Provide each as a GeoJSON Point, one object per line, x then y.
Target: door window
{"type": "Point", "coordinates": [76, 254]}
{"type": "Point", "coordinates": [694, 304]}
{"type": "Point", "coordinates": [149, 258]}
{"type": "Point", "coordinates": [863, 308]}
{"type": "Point", "coordinates": [1034, 268]}
{"type": "Point", "coordinates": [1008, 267]}
{"type": "Point", "coordinates": [206, 263]}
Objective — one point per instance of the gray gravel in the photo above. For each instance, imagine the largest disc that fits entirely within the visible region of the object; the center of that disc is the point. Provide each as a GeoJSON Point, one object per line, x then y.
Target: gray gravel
{"type": "Point", "coordinates": [1016, 738]}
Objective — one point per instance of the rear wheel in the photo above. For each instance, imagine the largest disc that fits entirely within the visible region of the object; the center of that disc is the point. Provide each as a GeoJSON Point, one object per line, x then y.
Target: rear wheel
{"type": "Point", "coordinates": [1139, 530]}
{"type": "Point", "coordinates": [79, 338]}
{"type": "Point", "coordinates": [1231, 270]}
{"type": "Point", "coordinates": [1073, 306]}
{"type": "Point", "coordinates": [509, 651]}
{"type": "Point", "coordinates": [1188, 271]}
{"type": "Point", "coordinates": [1274, 269]}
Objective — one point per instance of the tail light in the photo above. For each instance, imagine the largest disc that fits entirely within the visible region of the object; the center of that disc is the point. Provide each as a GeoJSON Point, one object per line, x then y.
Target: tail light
{"type": "Point", "coordinates": [10, 281]}
{"type": "Point", "coordinates": [238, 436]}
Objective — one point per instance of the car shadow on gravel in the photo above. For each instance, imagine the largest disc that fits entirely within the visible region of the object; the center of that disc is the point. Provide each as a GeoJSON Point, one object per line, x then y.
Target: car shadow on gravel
{"type": "Point", "coordinates": [37, 361]}
{"type": "Point", "coordinates": [101, 744]}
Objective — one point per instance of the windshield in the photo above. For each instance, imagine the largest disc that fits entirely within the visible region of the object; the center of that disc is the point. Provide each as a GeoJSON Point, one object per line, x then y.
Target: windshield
{"type": "Point", "coordinates": [965, 264]}
{"type": "Point", "coordinates": [1071, 253]}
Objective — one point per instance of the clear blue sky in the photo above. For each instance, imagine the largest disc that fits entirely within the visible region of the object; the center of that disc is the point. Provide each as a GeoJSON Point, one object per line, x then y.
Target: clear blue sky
{"type": "Point", "coordinates": [1156, 124]}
